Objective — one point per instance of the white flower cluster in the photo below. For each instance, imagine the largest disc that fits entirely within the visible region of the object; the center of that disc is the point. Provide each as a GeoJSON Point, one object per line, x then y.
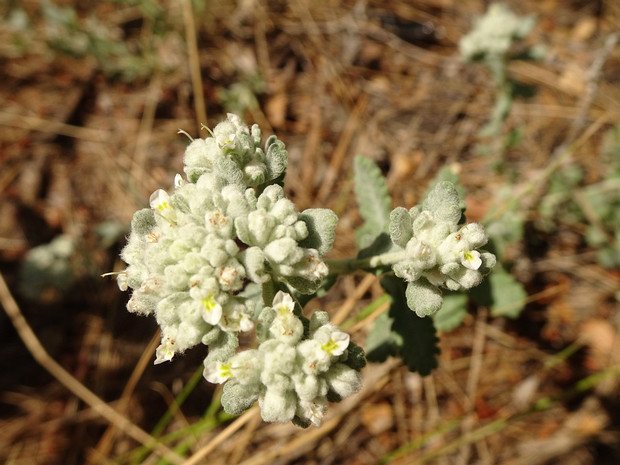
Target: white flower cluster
{"type": "Point", "coordinates": [294, 371]}
{"type": "Point", "coordinates": [191, 255]}
{"type": "Point", "coordinates": [438, 251]}
{"type": "Point", "coordinates": [494, 33]}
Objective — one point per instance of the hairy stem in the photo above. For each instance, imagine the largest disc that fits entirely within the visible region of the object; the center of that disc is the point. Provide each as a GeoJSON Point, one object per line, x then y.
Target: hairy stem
{"type": "Point", "coordinates": [351, 265]}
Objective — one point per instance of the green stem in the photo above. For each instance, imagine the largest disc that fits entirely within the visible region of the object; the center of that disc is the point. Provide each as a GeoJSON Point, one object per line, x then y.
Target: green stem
{"type": "Point", "coordinates": [351, 265]}
{"type": "Point", "coordinates": [269, 292]}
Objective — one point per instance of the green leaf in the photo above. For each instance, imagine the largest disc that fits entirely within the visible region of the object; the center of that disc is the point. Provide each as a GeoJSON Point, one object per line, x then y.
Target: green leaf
{"type": "Point", "coordinates": [236, 399]}
{"type": "Point", "coordinates": [418, 347]}
{"type": "Point", "coordinates": [321, 228]}
{"type": "Point", "coordinates": [447, 173]}
{"type": "Point", "coordinates": [381, 342]}
{"type": "Point", "coordinates": [356, 357]}
{"type": "Point", "coordinates": [502, 293]}
{"type": "Point", "coordinates": [277, 157]}
{"type": "Point", "coordinates": [452, 312]}
{"type": "Point", "coordinates": [444, 202]}
{"type": "Point", "coordinates": [400, 227]}
{"type": "Point", "coordinates": [423, 298]}
{"type": "Point", "coordinates": [373, 199]}
{"type": "Point", "coordinates": [223, 347]}
{"type": "Point", "coordinates": [381, 244]}
{"type": "Point", "coordinates": [303, 285]}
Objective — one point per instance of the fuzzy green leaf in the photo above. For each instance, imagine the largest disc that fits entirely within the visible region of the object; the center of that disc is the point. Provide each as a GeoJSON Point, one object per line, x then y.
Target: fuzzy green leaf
{"type": "Point", "coordinates": [381, 342]}
{"type": "Point", "coordinates": [443, 200]}
{"type": "Point", "coordinates": [356, 357]}
{"type": "Point", "coordinates": [452, 312]}
{"type": "Point", "coordinates": [303, 285]}
{"type": "Point", "coordinates": [321, 229]}
{"type": "Point", "coordinates": [143, 221]}
{"type": "Point", "coordinates": [423, 298]}
{"type": "Point", "coordinates": [277, 158]}
{"type": "Point", "coordinates": [236, 399]}
{"type": "Point", "coordinates": [373, 199]}
{"type": "Point", "coordinates": [502, 293]}
{"type": "Point", "coordinates": [401, 230]}
{"type": "Point", "coordinates": [223, 347]}
{"type": "Point", "coordinates": [419, 343]}
{"type": "Point", "coordinates": [447, 174]}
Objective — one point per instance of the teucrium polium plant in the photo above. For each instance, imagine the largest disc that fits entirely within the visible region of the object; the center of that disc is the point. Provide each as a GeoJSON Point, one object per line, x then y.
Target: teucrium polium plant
{"type": "Point", "coordinates": [494, 41]}
{"type": "Point", "coordinates": [227, 252]}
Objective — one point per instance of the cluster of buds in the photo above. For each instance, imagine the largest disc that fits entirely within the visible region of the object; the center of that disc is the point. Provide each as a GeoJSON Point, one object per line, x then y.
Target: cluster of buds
{"type": "Point", "coordinates": [494, 33]}
{"type": "Point", "coordinates": [193, 253]}
{"type": "Point", "coordinates": [437, 250]}
{"type": "Point", "coordinates": [297, 367]}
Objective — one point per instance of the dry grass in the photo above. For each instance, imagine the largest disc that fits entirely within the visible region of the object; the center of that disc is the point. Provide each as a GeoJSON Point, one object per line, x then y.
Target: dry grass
{"type": "Point", "coordinates": [79, 148]}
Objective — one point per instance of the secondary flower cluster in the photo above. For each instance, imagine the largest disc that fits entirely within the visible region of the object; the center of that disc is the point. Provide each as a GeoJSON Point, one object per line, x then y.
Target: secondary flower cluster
{"type": "Point", "coordinates": [494, 33]}
{"type": "Point", "coordinates": [191, 255]}
{"type": "Point", "coordinates": [438, 251]}
{"type": "Point", "coordinates": [295, 369]}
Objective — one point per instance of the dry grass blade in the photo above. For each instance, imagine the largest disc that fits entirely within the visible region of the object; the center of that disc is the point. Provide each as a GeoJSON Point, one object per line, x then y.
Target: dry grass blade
{"type": "Point", "coordinates": [229, 431]}
{"type": "Point", "coordinates": [63, 376]}
{"type": "Point", "coordinates": [341, 149]}
{"type": "Point", "coordinates": [194, 63]}
{"type": "Point", "coordinates": [34, 123]}
{"type": "Point", "coordinates": [105, 443]}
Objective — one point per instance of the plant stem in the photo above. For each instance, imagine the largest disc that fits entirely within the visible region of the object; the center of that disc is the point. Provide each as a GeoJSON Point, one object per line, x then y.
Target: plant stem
{"type": "Point", "coordinates": [269, 292]}
{"type": "Point", "coordinates": [351, 265]}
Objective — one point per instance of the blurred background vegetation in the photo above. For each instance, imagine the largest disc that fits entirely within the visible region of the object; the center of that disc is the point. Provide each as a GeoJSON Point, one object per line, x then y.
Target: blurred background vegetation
{"type": "Point", "coordinates": [92, 94]}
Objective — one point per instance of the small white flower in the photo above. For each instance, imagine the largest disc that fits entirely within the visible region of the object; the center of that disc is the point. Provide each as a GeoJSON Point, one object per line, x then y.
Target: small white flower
{"type": "Point", "coordinates": [286, 327]}
{"type": "Point", "coordinates": [166, 350]}
{"type": "Point", "coordinates": [235, 318]}
{"type": "Point", "coordinates": [337, 343]}
{"type": "Point", "coordinates": [283, 304]}
{"type": "Point", "coordinates": [160, 200]}
{"type": "Point", "coordinates": [212, 310]}
{"type": "Point", "coordinates": [178, 180]}
{"type": "Point", "coordinates": [471, 259]}
{"type": "Point", "coordinates": [218, 372]}
{"type": "Point", "coordinates": [313, 411]}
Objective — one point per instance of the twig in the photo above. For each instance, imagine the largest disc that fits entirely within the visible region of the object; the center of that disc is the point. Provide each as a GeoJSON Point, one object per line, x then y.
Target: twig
{"type": "Point", "coordinates": [194, 63]}
{"type": "Point", "coordinates": [146, 129]}
{"type": "Point", "coordinates": [341, 149]}
{"type": "Point", "coordinates": [220, 438]}
{"type": "Point", "coordinates": [594, 77]}
{"type": "Point", "coordinates": [39, 353]}
{"type": "Point", "coordinates": [105, 442]}
{"type": "Point", "coordinates": [34, 123]}
{"type": "Point", "coordinates": [348, 304]}
{"type": "Point", "coordinates": [473, 380]}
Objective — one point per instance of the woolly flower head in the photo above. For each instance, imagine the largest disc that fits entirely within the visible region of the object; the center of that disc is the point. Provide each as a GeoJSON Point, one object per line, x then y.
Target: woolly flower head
{"type": "Point", "coordinates": [494, 33]}
{"type": "Point", "coordinates": [439, 252]}
{"type": "Point", "coordinates": [234, 152]}
{"type": "Point", "coordinates": [191, 254]}
{"type": "Point", "coordinates": [294, 370]}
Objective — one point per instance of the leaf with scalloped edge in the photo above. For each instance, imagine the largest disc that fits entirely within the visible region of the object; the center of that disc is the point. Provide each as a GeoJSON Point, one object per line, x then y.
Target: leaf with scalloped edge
{"type": "Point", "coordinates": [415, 337]}
{"type": "Point", "coordinates": [452, 312]}
{"type": "Point", "coordinates": [373, 200]}
{"type": "Point", "coordinates": [502, 293]}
